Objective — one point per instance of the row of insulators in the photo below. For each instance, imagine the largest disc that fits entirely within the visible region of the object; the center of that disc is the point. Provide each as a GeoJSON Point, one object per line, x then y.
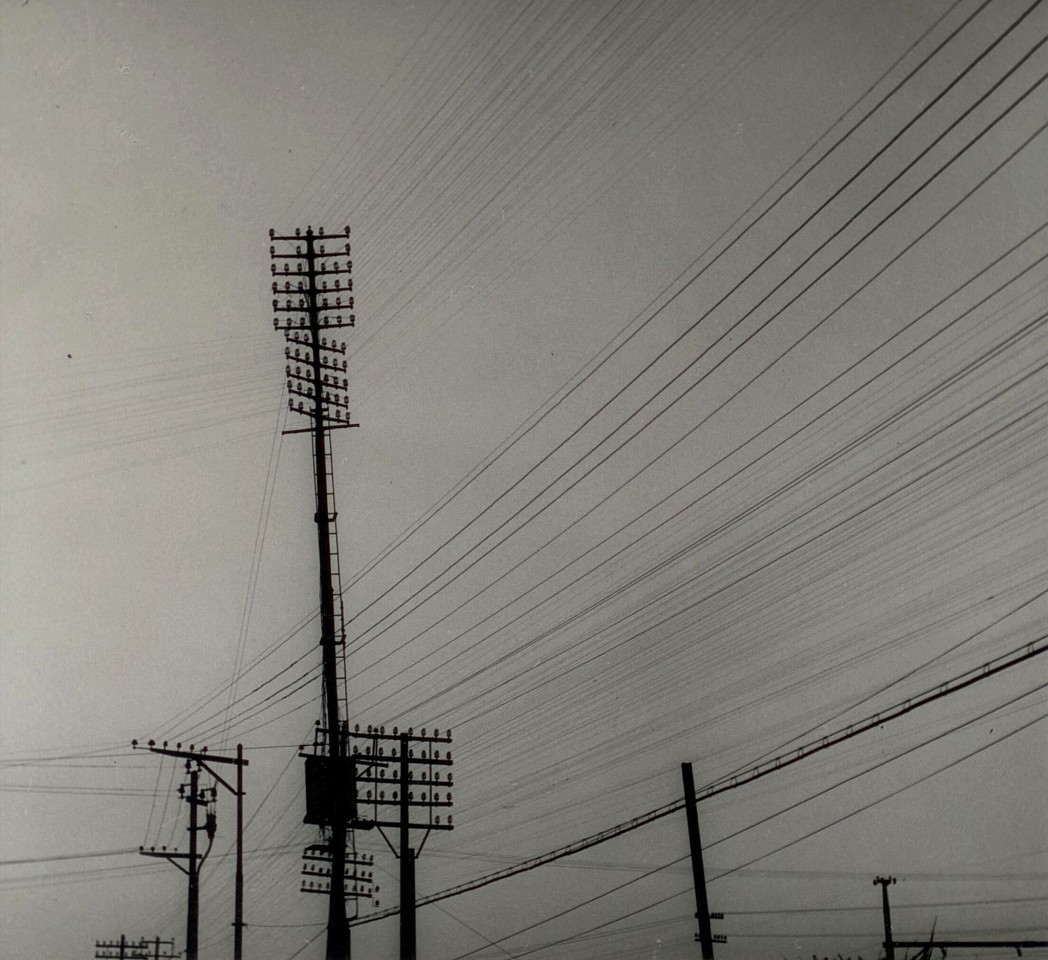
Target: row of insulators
{"type": "Point", "coordinates": [324, 364]}
{"type": "Point", "coordinates": [323, 854]}
{"type": "Point", "coordinates": [300, 287]}
{"type": "Point", "coordinates": [411, 796]}
{"type": "Point", "coordinates": [309, 232]}
{"type": "Point", "coordinates": [335, 264]}
{"type": "Point", "coordinates": [178, 746]}
{"type": "Point", "coordinates": [324, 886]}
{"type": "Point", "coordinates": [288, 323]}
{"type": "Point", "coordinates": [336, 267]}
{"type": "Point", "coordinates": [311, 871]}
{"type": "Point", "coordinates": [301, 303]}
{"type": "Point", "coordinates": [354, 887]}
{"type": "Point", "coordinates": [324, 345]}
{"type": "Point", "coordinates": [423, 777]}
{"type": "Point", "coordinates": [326, 397]}
{"type": "Point", "coordinates": [335, 414]}
{"type": "Point", "coordinates": [379, 752]}
{"type": "Point", "coordinates": [322, 321]}
{"type": "Point", "coordinates": [298, 248]}
{"type": "Point", "coordinates": [328, 382]}
{"type": "Point", "coordinates": [381, 731]}
{"type": "Point", "coordinates": [320, 249]}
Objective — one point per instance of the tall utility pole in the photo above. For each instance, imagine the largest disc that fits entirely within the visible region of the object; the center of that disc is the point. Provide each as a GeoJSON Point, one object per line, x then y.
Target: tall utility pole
{"type": "Point", "coordinates": [205, 759]}
{"type": "Point", "coordinates": [312, 298]}
{"type": "Point", "coordinates": [698, 870]}
{"type": "Point", "coordinates": [195, 797]}
{"type": "Point", "coordinates": [889, 943]}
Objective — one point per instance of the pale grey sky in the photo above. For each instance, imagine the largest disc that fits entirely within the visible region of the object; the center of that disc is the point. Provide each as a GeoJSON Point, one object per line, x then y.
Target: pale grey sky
{"type": "Point", "coordinates": [842, 504]}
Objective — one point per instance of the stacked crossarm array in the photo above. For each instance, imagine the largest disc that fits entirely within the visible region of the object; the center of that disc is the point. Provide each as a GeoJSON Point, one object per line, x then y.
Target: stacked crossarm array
{"type": "Point", "coordinates": [312, 303]}
{"type": "Point", "coordinates": [404, 770]}
{"type": "Point", "coordinates": [316, 869]}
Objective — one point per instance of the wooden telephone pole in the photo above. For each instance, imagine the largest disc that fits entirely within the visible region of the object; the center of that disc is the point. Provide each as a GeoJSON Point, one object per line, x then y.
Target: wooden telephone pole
{"type": "Point", "coordinates": [889, 943]}
{"type": "Point", "coordinates": [419, 789]}
{"type": "Point", "coordinates": [698, 869]}
{"type": "Point", "coordinates": [205, 759]}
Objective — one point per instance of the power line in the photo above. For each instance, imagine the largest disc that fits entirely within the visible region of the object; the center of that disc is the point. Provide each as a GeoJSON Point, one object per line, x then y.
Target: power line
{"type": "Point", "coordinates": [604, 459]}
{"type": "Point", "coordinates": [774, 816]}
{"type": "Point", "coordinates": [722, 484]}
{"type": "Point", "coordinates": [791, 843]}
{"type": "Point", "coordinates": [763, 769]}
{"type": "Point", "coordinates": [94, 854]}
{"type": "Point", "coordinates": [598, 364]}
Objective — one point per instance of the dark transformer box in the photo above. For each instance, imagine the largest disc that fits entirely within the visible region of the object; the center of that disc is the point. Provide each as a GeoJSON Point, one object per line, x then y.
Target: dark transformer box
{"type": "Point", "coordinates": [325, 775]}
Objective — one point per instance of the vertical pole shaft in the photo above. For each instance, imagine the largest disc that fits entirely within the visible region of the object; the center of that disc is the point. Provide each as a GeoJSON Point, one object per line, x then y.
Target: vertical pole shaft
{"type": "Point", "coordinates": [889, 943]}
{"type": "Point", "coordinates": [407, 861]}
{"type": "Point", "coordinates": [193, 913]}
{"type": "Point", "coordinates": [698, 871]}
{"type": "Point", "coordinates": [123, 940]}
{"type": "Point", "coordinates": [407, 904]}
{"type": "Point", "coordinates": [238, 894]}
{"type": "Point", "coordinates": [156, 951]}
{"type": "Point", "coordinates": [338, 928]}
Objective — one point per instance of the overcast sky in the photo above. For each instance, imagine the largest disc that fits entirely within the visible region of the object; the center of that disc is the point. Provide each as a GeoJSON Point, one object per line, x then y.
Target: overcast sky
{"type": "Point", "coordinates": [700, 366]}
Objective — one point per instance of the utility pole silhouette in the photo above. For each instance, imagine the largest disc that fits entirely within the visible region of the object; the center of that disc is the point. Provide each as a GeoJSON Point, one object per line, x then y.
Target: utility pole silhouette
{"type": "Point", "coordinates": [889, 943]}
{"type": "Point", "coordinates": [106, 949]}
{"type": "Point", "coordinates": [422, 767]}
{"type": "Point", "coordinates": [407, 861]}
{"type": "Point", "coordinates": [205, 759]}
{"type": "Point", "coordinates": [924, 948]}
{"type": "Point", "coordinates": [698, 869]}
{"type": "Point", "coordinates": [124, 949]}
{"type": "Point", "coordinates": [195, 797]}
{"type": "Point", "coordinates": [312, 299]}
{"type": "Point", "coordinates": [157, 944]}
{"type": "Point", "coordinates": [121, 949]}
{"type": "Point", "coordinates": [317, 867]}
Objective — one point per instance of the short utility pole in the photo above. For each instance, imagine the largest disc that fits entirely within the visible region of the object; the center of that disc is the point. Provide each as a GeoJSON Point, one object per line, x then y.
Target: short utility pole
{"type": "Point", "coordinates": [889, 943]}
{"type": "Point", "coordinates": [205, 759]}
{"type": "Point", "coordinates": [168, 946]}
{"type": "Point", "coordinates": [698, 871]}
{"type": "Point", "coordinates": [124, 949]}
{"type": "Point", "coordinates": [121, 949]}
{"type": "Point", "coordinates": [193, 859]}
{"type": "Point", "coordinates": [924, 948]}
{"type": "Point", "coordinates": [423, 770]}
